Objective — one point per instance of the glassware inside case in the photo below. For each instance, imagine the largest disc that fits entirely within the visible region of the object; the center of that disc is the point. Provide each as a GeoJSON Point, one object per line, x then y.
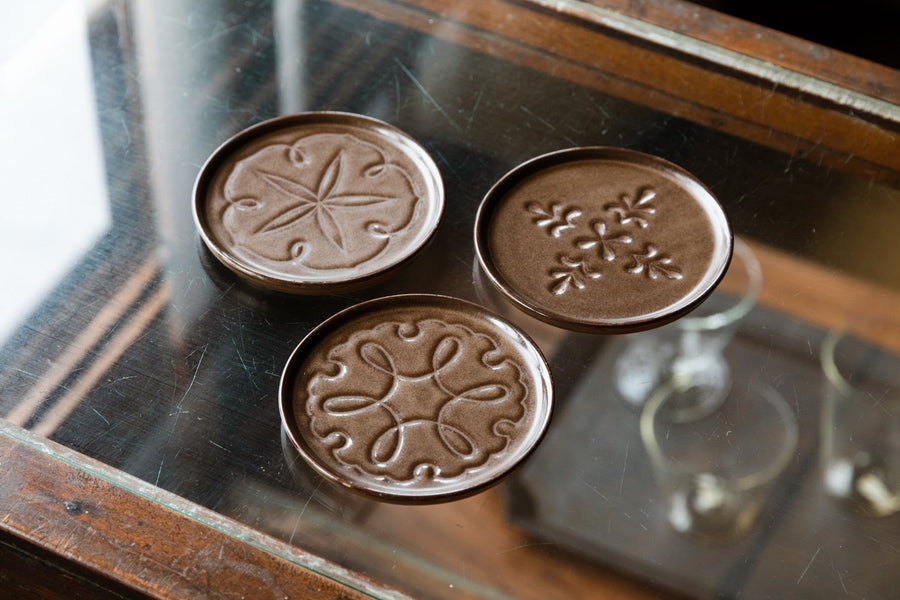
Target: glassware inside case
{"type": "Point", "coordinates": [860, 444]}
{"type": "Point", "coordinates": [688, 355]}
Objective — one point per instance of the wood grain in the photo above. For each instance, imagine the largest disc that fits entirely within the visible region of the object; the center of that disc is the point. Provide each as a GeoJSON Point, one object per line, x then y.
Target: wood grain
{"type": "Point", "coordinates": [79, 514]}
{"type": "Point", "coordinates": [828, 298]}
{"type": "Point", "coordinates": [774, 47]}
{"type": "Point", "coordinates": [573, 47]}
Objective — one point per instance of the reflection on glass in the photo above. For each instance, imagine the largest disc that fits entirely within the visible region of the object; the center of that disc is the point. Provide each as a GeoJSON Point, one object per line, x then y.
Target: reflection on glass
{"type": "Point", "coordinates": [55, 158]}
{"type": "Point", "coordinates": [716, 473]}
{"type": "Point", "coordinates": [688, 352]}
{"type": "Point", "coordinates": [546, 336]}
{"type": "Point", "coordinates": [861, 425]}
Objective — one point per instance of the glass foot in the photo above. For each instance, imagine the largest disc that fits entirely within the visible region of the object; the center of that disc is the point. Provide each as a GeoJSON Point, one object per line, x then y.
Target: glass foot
{"type": "Point", "coordinates": [702, 382]}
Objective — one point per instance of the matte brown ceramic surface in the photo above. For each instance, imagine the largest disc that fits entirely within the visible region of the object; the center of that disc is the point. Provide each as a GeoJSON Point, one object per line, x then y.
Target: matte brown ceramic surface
{"type": "Point", "coordinates": [317, 202]}
{"type": "Point", "coordinates": [415, 398]}
{"type": "Point", "coordinates": [602, 240]}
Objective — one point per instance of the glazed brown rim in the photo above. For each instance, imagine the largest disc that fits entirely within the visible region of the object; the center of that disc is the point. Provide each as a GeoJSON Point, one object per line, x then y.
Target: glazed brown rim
{"type": "Point", "coordinates": [297, 358]}
{"type": "Point", "coordinates": [618, 326]}
{"type": "Point", "coordinates": [398, 137]}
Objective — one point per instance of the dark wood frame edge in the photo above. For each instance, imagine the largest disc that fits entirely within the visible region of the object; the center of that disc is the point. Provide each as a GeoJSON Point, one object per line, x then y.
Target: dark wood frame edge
{"type": "Point", "coordinates": [755, 41]}
{"type": "Point", "coordinates": [134, 536]}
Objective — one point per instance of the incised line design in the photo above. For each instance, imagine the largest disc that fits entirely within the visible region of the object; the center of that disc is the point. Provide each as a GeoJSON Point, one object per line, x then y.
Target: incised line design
{"type": "Point", "coordinates": [326, 201]}
{"type": "Point", "coordinates": [416, 401]}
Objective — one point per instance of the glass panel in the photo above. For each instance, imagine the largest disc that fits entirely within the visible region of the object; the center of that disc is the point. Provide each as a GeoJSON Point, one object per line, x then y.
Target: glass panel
{"type": "Point", "coordinates": [130, 344]}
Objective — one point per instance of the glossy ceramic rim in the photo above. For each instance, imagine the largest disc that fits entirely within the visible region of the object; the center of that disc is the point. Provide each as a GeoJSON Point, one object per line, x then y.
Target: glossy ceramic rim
{"type": "Point", "coordinates": [532, 166]}
{"type": "Point", "coordinates": [481, 481]}
{"type": "Point", "coordinates": [299, 285]}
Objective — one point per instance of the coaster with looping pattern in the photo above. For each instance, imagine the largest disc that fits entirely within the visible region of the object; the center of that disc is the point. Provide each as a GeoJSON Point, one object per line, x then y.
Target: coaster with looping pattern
{"type": "Point", "coordinates": [415, 398]}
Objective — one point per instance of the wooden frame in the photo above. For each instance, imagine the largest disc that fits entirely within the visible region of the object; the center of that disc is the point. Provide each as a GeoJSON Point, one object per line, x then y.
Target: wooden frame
{"type": "Point", "coordinates": [130, 535]}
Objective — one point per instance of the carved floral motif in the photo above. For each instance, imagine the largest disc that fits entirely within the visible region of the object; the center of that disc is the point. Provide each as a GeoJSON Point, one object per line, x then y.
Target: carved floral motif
{"type": "Point", "coordinates": [572, 272]}
{"type": "Point", "coordinates": [637, 210]}
{"type": "Point", "coordinates": [325, 201]}
{"type": "Point", "coordinates": [322, 205]}
{"type": "Point", "coordinates": [653, 264]}
{"type": "Point", "coordinates": [556, 218]}
{"type": "Point", "coordinates": [634, 253]}
{"type": "Point", "coordinates": [604, 240]}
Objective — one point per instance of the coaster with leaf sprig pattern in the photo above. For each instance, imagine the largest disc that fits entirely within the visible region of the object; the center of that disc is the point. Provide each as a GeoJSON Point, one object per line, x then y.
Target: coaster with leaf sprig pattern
{"type": "Point", "coordinates": [602, 240]}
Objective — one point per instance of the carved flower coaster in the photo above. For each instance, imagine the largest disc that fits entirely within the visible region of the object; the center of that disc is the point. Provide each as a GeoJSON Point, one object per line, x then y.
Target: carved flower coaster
{"type": "Point", "coordinates": [317, 202]}
{"type": "Point", "coordinates": [602, 240]}
{"type": "Point", "coordinates": [415, 398]}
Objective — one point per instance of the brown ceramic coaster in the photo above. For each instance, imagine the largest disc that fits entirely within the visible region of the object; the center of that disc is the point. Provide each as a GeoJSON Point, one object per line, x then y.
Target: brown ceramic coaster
{"type": "Point", "coordinates": [602, 240]}
{"type": "Point", "coordinates": [415, 398]}
{"type": "Point", "coordinates": [317, 202]}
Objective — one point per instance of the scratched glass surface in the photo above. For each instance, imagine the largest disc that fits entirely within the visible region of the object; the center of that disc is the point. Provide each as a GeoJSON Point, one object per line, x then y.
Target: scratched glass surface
{"type": "Point", "coordinates": [124, 340]}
